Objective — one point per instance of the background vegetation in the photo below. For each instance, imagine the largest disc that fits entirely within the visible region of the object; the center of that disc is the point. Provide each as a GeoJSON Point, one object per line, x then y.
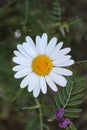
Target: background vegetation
{"type": "Point", "coordinates": [65, 19]}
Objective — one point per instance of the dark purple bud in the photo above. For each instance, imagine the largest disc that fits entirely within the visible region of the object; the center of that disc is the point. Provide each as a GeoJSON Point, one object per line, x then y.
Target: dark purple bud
{"type": "Point", "coordinates": [62, 125]}
{"type": "Point", "coordinates": [59, 113]}
{"type": "Point", "coordinates": [67, 120]}
{"type": "Point", "coordinates": [64, 122]}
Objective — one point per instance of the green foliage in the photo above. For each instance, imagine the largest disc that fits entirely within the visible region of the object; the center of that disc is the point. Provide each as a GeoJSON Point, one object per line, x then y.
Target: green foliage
{"type": "Point", "coordinates": [32, 18]}
{"type": "Point", "coordinates": [58, 22]}
{"type": "Point", "coordinates": [70, 97]}
{"type": "Point", "coordinates": [71, 127]}
{"type": "Point", "coordinates": [74, 20]}
{"type": "Point", "coordinates": [32, 122]}
{"type": "Point", "coordinates": [35, 119]}
{"type": "Point", "coordinates": [56, 11]}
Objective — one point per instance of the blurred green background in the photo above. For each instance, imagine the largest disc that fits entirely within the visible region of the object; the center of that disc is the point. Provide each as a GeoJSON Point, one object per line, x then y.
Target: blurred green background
{"type": "Point", "coordinates": [65, 19]}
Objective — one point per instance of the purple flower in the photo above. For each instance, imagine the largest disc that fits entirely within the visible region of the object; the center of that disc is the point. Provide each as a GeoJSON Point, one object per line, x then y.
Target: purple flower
{"type": "Point", "coordinates": [59, 113]}
{"type": "Point", "coordinates": [64, 122]}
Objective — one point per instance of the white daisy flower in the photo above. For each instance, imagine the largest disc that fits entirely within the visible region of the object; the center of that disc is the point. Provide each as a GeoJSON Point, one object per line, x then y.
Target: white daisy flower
{"type": "Point", "coordinates": [41, 64]}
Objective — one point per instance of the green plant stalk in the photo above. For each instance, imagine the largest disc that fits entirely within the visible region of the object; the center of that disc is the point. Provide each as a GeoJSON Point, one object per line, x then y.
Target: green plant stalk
{"type": "Point", "coordinates": [26, 15]}
{"type": "Point", "coordinates": [40, 114]}
{"type": "Point", "coordinates": [26, 11]}
{"type": "Point", "coordinates": [79, 62]}
{"type": "Point", "coordinates": [68, 97]}
{"type": "Point", "coordinates": [31, 108]}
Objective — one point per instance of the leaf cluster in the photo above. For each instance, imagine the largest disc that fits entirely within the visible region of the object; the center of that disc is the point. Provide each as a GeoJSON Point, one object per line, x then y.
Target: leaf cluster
{"type": "Point", "coordinates": [32, 121]}
{"type": "Point", "coordinates": [70, 97]}
{"type": "Point", "coordinates": [56, 11]}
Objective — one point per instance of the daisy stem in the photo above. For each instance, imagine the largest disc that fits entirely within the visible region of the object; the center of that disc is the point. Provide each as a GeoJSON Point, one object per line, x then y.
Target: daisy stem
{"type": "Point", "coordinates": [40, 113]}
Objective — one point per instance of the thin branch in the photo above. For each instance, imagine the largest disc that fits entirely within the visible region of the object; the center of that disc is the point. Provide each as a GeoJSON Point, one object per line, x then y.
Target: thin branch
{"type": "Point", "coordinates": [40, 113]}
{"type": "Point", "coordinates": [26, 15]}
{"type": "Point", "coordinates": [79, 62]}
{"type": "Point", "coordinates": [68, 96]}
{"type": "Point", "coordinates": [26, 11]}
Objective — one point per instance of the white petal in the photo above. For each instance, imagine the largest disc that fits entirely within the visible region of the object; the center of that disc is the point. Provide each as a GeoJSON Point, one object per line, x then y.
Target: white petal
{"type": "Point", "coordinates": [22, 50]}
{"type": "Point", "coordinates": [62, 71]}
{"type": "Point", "coordinates": [41, 43]}
{"type": "Point", "coordinates": [18, 68]}
{"type": "Point", "coordinates": [36, 91]}
{"type": "Point", "coordinates": [45, 38]}
{"type": "Point", "coordinates": [30, 41]}
{"type": "Point", "coordinates": [64, 51]}
{"type": "Point", "coordinates": [37, 43]}
{"type": "Point", "coordinates": [43, 85]}
{"type": "Point", "coordinates": [21, 61]}
{"type": "Point", "coordinates": [51, 83]}
{"type": "Point", "coordinates": [17, 53]}
{"type": "Point", "coordinates": [30, 50]}
{"type": "Point", "coordinates": [58, 79]}
{"type": "Point", "coordinates": [34, 81]}
{"type": "Point", "coordinates": [60, 57]}
{"type": "Point", "coordinates": [67, 63]}
{"type": "Point", "coordinates": [26, 80]}
{"type": "Point", "coordinates": [51, 46]}
{"type": "Point", "coordinates": [23, 73]}
{"type": "Point", "coordinates": [60, 60]}
{"type": "Point", "coordinates": [57, 48]}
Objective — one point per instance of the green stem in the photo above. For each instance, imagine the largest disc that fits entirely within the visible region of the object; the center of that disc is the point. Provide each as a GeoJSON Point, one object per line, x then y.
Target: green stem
{"type": "Point", "coordinates": [40, 114]}
{"type": "Point", "coordinates": [31, 108]}
{"type": "Point", "coordinates": [83, 61]}
{"type": "Point", "coordinates": [68, 97]}
{"type": "Point", "coordinates": [26, 11]}
{"type": "Point", "coordinates": [37, 106]}
{"type": "Point", "coordinates": [26, 15]}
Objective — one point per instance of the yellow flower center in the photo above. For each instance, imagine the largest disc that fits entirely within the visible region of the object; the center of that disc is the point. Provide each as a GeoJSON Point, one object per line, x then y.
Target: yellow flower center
{"type": "Point", "coordinates": [42, 65]}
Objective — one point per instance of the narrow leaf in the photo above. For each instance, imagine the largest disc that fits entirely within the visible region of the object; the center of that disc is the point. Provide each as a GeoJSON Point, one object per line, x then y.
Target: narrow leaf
{"type": "Point", "coordinates": [76, 97]}
{"type": "Point", "coordinates": [72, 126]}
{"type": "Point", "coordinates": [57, 104]}
{"type": "Point", "coordinates": [74, 103]}
{"type": "Point", "coordinates": [61, 98]}
{"type": "Point", "coordinates": [71, 115]}
{"type": "Point", "coordinates": [73, 110]}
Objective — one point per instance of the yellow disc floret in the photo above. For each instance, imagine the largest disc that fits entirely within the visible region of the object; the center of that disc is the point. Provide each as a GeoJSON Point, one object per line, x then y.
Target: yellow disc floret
{"type": "Point", "coordinates": [42, 65]}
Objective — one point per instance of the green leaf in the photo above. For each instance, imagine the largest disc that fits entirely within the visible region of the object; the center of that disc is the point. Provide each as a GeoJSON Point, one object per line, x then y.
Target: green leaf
{"type": "Point", "coordinates": [68, 97]}
{"type": "Point", "coordinates": [77, 90]}
{"type": "Point", "coordinates": [74, 103]}
{"type": "Point", "coordinates": [71, 115]}
{"type": "Point", "coordinates": [73, 110]}
{"type": "Point", "coordinates": [56, 11]}
{"type": "Point", "coordinates": [72, 126]}
{"type": "Point", "coordinates": [77, 96]}
{"type": "Point", "coordinates": [64, 95]}
{"type": "Point", "coordinates": [57, 104]}
{"type": "Point", "coordinates": [61, 98]}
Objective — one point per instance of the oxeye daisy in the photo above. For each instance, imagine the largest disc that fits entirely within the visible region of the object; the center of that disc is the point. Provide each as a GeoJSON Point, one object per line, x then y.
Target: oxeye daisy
{"type": "Point", "coordinates": [42, 64]}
